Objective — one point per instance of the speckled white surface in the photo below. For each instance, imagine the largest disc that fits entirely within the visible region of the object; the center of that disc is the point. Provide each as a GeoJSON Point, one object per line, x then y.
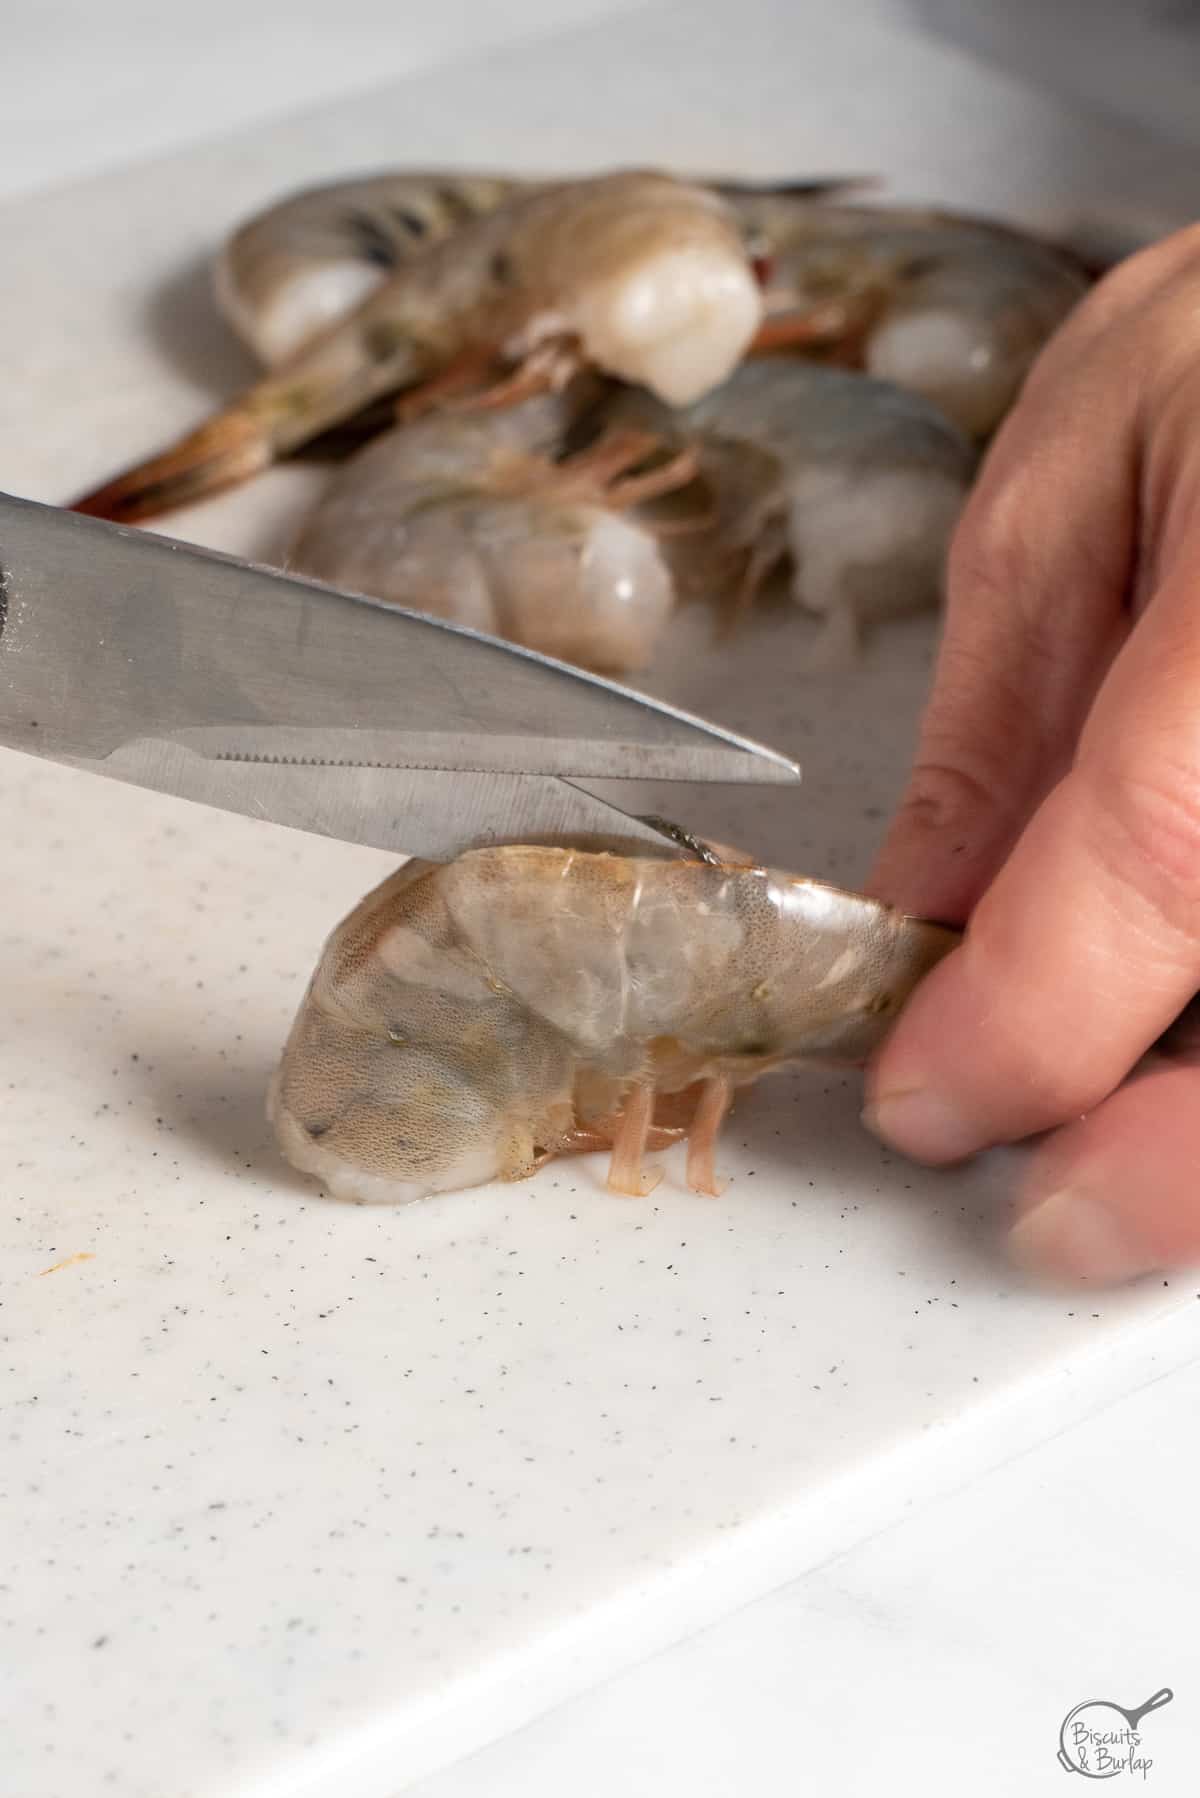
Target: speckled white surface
{"type": "Point", "coordinates": [938, 1657]}
{"type": "Point", "coordinates": [308, 1498]}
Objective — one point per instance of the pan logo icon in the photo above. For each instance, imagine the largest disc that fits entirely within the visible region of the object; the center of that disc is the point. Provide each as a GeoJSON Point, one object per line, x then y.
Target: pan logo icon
{"type": "Point", "coordinates": [1100, 1739]}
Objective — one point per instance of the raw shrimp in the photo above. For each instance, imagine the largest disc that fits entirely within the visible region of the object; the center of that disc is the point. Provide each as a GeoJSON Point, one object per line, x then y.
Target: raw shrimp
{"type": "Point", "coordinates": [952, 308]}
{"type": "Point", "coordinates": [297, 267]}
{"type": "Point", "coordinates": [468, 1021]}
{"type": "Point", "coordinates": [638, 275]}
{"type": "Point", "coordinates": [466, 517]}
{"type": "Point", "coordinates": [853, 481]}
{"type": "Point", "coordinates": [304, 262]}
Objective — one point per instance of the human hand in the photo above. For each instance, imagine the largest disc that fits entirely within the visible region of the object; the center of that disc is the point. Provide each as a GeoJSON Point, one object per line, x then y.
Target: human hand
{"type": "Point", "coordinates": [1055, 798]}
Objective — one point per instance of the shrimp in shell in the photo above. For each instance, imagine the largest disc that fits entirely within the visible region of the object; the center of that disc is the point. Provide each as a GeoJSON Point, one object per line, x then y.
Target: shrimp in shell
{"type": "Point", "coordinates": [640, 276]}
{"type": "Point", "coordinates": [853, 482]}
{"type": "Point", "coordinates": [467, 518]}
{"type": "Point", "coordinates": [294, 268]}
{"type": "Point", "coordinates": [955, 309]}
{"type": "Point", "coordinates": [300, 265]}
{"type": "Point", "coordinates": [471, 1020]}
{"type": "Point", "coordinates": [951, 306]}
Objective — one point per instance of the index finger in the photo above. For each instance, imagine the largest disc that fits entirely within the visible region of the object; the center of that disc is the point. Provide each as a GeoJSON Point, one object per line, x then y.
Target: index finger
{"type": "Point", "coordinates": [1087, 944]}
{"type": "Point", "coordinates": [1034, 615]}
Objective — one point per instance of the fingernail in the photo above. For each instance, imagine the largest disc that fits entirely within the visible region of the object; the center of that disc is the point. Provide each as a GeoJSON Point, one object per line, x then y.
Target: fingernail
{"type": "Point", "coordinates": [1075, 1236]}
{"type": "Point", "coordinates": [922, 1124]}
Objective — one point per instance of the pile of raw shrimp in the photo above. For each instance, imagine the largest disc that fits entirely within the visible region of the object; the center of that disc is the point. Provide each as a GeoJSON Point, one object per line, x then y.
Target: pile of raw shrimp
{"type": "Point", "coordinates": [583, 400]}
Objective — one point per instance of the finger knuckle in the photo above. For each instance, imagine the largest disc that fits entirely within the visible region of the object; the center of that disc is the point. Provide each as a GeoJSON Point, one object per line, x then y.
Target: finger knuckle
{"type": "Point", "coordinates": [1006, 570]}
{"type": "Point", "coordinates": [992, 710]}
{"type": "Point", "coordinates": [987, 559]}
{"type": "Point", "coordinates": [997, 554]}
{"type": "Point", "coordinates": [946, 798]}
{"type": "Point", "coordinates": [998, 616]}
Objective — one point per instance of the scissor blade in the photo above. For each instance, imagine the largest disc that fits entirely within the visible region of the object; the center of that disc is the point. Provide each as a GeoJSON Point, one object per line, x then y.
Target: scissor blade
{"type": "Point", "coordinates": [114, 636]}
{"type": "Point", "coordinates": [429, 812]}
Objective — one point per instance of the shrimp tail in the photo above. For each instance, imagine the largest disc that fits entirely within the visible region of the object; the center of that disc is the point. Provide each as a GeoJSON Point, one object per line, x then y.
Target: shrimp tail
{"type": "Point", "coordinates": [327, 382]}
{"type": "Point", "coordinates": [228, 449]}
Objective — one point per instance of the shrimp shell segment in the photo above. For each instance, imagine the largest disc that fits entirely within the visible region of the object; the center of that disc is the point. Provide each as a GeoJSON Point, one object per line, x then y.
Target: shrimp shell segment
{"type": "Point", "coordinates": [470, 1020]}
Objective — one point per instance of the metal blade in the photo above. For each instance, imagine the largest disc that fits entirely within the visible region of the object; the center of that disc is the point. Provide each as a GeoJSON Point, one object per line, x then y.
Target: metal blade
{"type": "Point", "coordinates": [115, 636]}
{"type": "Point", "coordinates": [429, 812]}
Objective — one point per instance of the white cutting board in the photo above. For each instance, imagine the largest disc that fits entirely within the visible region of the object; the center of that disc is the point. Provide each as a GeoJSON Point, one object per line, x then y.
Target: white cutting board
{"type": "Point", "coordinates": [312, 1499]}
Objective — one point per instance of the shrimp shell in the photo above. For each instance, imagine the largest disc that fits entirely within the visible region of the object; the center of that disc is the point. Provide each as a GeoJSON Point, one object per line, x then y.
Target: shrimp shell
{"type": "Point", "coordinates": [466, 519]}
{"type": "Point", "coordinates": [469, 1020]}
{"type": "Point", "coordinates": [955, 309]}
{"type": "Point", "coordinates": [855, 482]}
{"type": "Point", "coordinates": [645, 277]}
{"type": "Point", "coordinates": [294, 269]}
{"type": "Point", "coordinates": [951, 306]}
